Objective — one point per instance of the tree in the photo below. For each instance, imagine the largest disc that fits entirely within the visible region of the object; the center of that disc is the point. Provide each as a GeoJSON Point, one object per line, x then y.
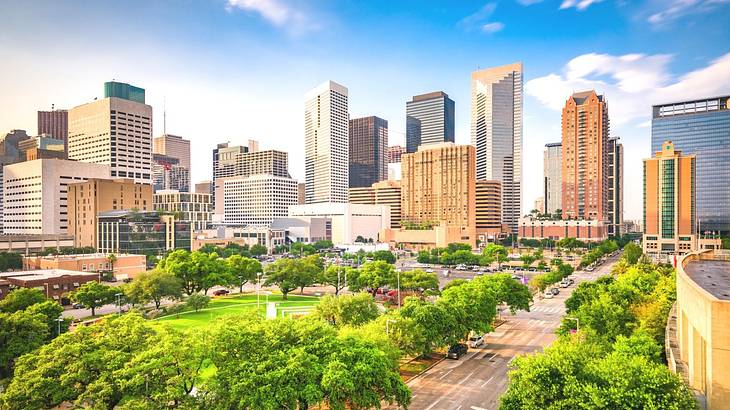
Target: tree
{"type": "Point", "coordinates": [374, 275]}
{"type": "Point", "coordinates": [308, 270]}
{"type": "Point", "coordinates": [323, 244]}
{"type": "Point", "coordinates": [21, 332]}
{"type": "Point", "coordinates": [10, 261]}
{"type": "Point", "coordinates": [243, 269]}
{"type": "Point", "coordinates": [213, 271]}
{"type": "Point", "coordinates": [422, 326]}
{"type": "Point", "coordinates": [20, 299]}
{"type": "Point", "coordinates": [153, 286]}
{"type": "Point", "coordinates": [112, 258]}
{"type": "Point", "coordinates": [632, 253]}
{"type": "Point", "coordinates": [258, 250]}
{"type": "Point", "coordinates": [345, 310]}
{"type": "Point", "coordinates": [284, 274]}
{"type": "Point", "coordinates": [197, 301]}
{"type": "Point", "coordinates": [419, 281]}
{"type": "Point", "coordinates": [51, 312]}
{"type": "Point", "coordinates": [93, 295]}
{"type": "Point", "coordinates": [338, 277]}
{"type": "Point", "coordinates": [496, 253]}
{"type": "Point", "coordinates": [180, 264]}
{"type": "Point", "coordinates": [384, 255]}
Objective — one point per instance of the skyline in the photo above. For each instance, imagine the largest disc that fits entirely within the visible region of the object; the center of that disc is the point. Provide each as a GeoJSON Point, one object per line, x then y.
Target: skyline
{"type": "Point", "coordinates": [188, 57]}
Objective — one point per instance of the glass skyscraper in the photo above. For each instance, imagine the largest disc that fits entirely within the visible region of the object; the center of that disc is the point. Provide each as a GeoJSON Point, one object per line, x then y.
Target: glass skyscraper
{"type": "Point", "coordinates": [701, 127]}
{"type": "Point", "coordinates": [429, 120]}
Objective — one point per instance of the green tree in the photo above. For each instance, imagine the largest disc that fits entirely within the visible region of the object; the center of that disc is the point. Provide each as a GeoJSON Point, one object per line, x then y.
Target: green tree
{"type": "Point", "coordinates": [308, 270]}
{"type": "Point", "coordinates": [632, 253]}
{"type": "Point", "coordinates": [346, 310]}
{"type": "Point", "coordinates": [384, 255]}
{"type": "Point", "coordinates": [10, 261]}
{"type": "Point", "coordinates": [419, 281]}
{"type": "Point", "coordinates": [20, 299]}
{"type": "Point", "coordinates": [21, 332]}
{"type": "Point", "coordinates": [422, 326]}
{"type": "Point", "coordinates": [180, 264]}
{"type": "Point", "coordinates": [323, 244]}
{"type": "Point", "coordinates": [51, 312]}
{"type": "Point", "coordinates": [154, 286]}
{"type": "Point", "coordinates": [374, 275]}
{"type": "Point", "coordinates": [338, 277]}
{"type": "Point", "coordinates": [213, 270]}
{"type": "Point", "coordinates": [496, 253]}
{"type": "Point", "coordinates": [284, 274]}
{"type": "Point", "coordinates": [93, 295]}
{"type": "Point", "coordinates": [243, 269]}
{"type": "Point", "coordinates": [258, 250]}
{"type": "Point", "coordinates": [112, 259]}
{"type": "Point", "coordinates": [197, 301]}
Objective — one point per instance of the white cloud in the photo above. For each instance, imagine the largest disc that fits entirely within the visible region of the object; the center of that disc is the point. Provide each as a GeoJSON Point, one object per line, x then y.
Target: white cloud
{"type": "Point", "coordinates": [276, 12]}
{"type": "Point", "coordinates": [679, 8]}
{"type": "Point", "coordinates": [631, 82]}
{"type": "Point", "coordinates": [492, 27]}
{"type": "Point", "coordinates": [578, 4]}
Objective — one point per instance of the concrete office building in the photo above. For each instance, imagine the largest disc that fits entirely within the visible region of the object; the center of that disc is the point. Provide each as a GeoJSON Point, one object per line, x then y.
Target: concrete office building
{"type": "Point", "coordinates": [204, 187]}
{"type": "Point", "coordinates": [615, 187]}
{"type": "Point", "coordinates": [394, 152]}
{"type": "Point", "coordinates": [240, 161]}
{"type": "Point", "coordinates": [552, 172]}
{"type": "Point", "coordinates": [698, 336]}
{"type": "Point", "coordinates": [368, 145]}
{"type": "Point", "coordinates": [42, 147]}
{"type": "Point", "coordinates": [167, 173]}
{"type": "Point", "coordinates": [438, 185]}
{"type": "Point", "coordinates": [189, 207]}
{"type": "Point", "coordinates": [125, 266]}
{"type": "Point", "coordinates": [670, 212]}
{"type": "Point", "coordinates": [326, 143]}
{"type": "Point", "coordinates": [585, 157]}
{"type": "Point", "coordinates": [348, 221]}
{"type": "Point", "coordinates": [488, 215]}
{"type": "Point", "coordinates": [89, 198]}
{"type": "Point", "coordinates": [539, 204]}
{"type": "Point", "coordinates": [32, 243]}
{"type": "Point", "coordinates": [141, 233]}
{"type": "Point", "coordinates": [36, 194]}
{"type": "Point", "coordinates": [10, 153]}
{"type": "Point", "coordinates": [581, 229]}
{"type": "Point", "coordinates": [54, 123]}
{"type": "Point", "coordinates": [381, 193]}
{"type": "Point", "coordinates": [254, 200]}
{"type": "Point", "coordinates": [114, 131]}
{"type": "Point", "coordinates": [429, 120]}
{"type": "Point", "coordinates": [701, 127]}
{"type": "Point", "coordinates": [173, 146]}
{"type": "Point", "coordinates": [496, 132]}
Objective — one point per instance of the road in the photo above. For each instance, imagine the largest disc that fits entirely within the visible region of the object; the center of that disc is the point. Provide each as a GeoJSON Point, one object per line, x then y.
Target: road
{"type": "Point", "coordinates": [477, 380]}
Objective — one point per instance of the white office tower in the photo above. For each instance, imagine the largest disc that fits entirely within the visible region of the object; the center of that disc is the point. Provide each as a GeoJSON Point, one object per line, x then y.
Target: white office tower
{"type": "Point", "coordinates": [496, 132]}
{"type": "Point", "coordinates": [254, 200]}
{"type": "Point", "coordinates": [326, 140]}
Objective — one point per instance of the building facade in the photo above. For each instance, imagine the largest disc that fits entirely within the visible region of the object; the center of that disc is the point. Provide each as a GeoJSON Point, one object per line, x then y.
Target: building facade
{"type": "Point", "coordinates": [585, 149]}
{"type": "Point", "coordinates": [54, 123]}
{"type": "Point", "coordinates": [173, 146]}
{"type": "Point", "coordinates": [394, 152]}
{"type": "Point", "coordinates": [114, 131]}
{"type": "Point", "coordinates": [254, 200]}
{"type": "Point", "coordinates": [35, 199]}
{"type": "Point", "coordinates": [701, 127]}
{"type": "Point", "coordinates": [326, 143]}
{"type": "Point", "coordinates": [670, 212]}
{"type": "Point", "coordinates": [488, 210]}
{"type": "Point", "coordinates": [583, 230]}
{"type": "Point", "coordinates": [141, 233]}
{"type": "Point", "coordinates": [368, 146]}
{"type": "Point", "coordinates": [124, 266]}
{"type": "Point", "coordinates": [188, 207]}
{"type": "Point", "coordinates": [204, 187]}
{"type": "Point", "coordinates": [348, 221]}
{"type": "Point", "coordinates": [167, 173]}
{"type": "Point", "coordinates": [496, 132]}
{"type": "Point", "coordinates": [429, 120]}
{"type": "Point", "coordinates": [87, 199]}
{"type": "Point", "coordinates": [10, 153]}
{"type": "Point", "coordinates": [615, 187]}
{"type": "Point", "coordinates": [439, 185]}
{"type": "Point", "coordinates": [552, 171]}
{"type": "Point", "coordinates": [55, 284]}
{"type": "Point", "coordinates": [381, 193]}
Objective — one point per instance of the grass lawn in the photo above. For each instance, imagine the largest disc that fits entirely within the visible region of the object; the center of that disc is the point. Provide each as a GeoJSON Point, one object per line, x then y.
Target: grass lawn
{"type": "Point", "coordinates": [234, 305]}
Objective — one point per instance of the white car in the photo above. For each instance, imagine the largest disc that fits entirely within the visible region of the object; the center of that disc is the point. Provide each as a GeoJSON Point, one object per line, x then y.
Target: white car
{"type": "Point", "coordinates": [548, 294]}
{"type": "Point", "coordinates": [429, 270]}
{"type": "Point", "coordinates": [460, 267]}
{"type": "Point", "coordinates": [476, 341]}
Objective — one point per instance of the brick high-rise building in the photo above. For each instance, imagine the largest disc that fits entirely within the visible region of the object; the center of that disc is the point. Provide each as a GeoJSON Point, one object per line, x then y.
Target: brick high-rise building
{"type": "Point", "coordinates": [54, 123]}
{"type": "Point", "coordinates": [585, 157]}
{"type": "Point", "coordinates": [368, 145]}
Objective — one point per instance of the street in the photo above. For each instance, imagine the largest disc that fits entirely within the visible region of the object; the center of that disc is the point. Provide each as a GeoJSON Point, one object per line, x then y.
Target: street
{"type": "Point", "coordinates": [477, 380]}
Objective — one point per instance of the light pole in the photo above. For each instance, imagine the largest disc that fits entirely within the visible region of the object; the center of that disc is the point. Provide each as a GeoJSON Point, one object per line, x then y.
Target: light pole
{"type": "Point", "coordinates": [119, 301]}
{"type": "Point", "coordinates": [577, 323]}
{"type": "Point", "coordinates": [59, 320]}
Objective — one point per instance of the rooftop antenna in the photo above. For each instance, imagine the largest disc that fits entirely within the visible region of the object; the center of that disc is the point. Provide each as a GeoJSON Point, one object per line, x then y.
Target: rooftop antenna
{"type": "Point", "coordinates": [53, 107]}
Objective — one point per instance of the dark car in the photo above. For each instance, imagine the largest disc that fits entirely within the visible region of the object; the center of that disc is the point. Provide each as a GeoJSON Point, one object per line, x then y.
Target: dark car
{"type": "Point", "coordinates": [456, 351]}
{"type": "Point", "coordinates": [77, 305]}
{"type": "Point", "coordinates": [555, 291]}
{"type": "Point", "coordinates": [221, 292]}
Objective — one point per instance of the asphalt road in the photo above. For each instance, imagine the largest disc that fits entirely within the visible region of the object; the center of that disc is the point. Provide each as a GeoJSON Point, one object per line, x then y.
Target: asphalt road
{"type": "Point", "coordinates": [477, 380]}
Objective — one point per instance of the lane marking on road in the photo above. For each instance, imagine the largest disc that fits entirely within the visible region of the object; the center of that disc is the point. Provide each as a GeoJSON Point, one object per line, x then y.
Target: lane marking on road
{"type": "Point", "coordinates": [486, 383]}
{"type": "Point", "coordinates": [477, 408]}
{"type": "Point", "coordinates": [433, 404]}
{"type": "Point", "coordinates": [490, 359]}
{"type": "Point", "coordinates": [445, 374]}
{"type": "Point", "coordinates": [467, 377]}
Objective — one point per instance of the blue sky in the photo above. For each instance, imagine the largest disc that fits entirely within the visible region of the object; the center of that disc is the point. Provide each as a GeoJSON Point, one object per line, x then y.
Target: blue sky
{"type": "Point", "coordinates": [230, 70]}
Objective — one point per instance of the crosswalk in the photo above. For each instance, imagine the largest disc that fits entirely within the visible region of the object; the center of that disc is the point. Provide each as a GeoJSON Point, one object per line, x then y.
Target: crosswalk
{"type": "Point", "coordinates": [548, 309]}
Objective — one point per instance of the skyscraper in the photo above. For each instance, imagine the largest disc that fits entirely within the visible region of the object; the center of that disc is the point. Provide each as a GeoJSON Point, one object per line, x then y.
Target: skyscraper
{"type": "Point", "coordinates": [54, 123]}
{"type": "Point", "coordinates": [429, 120]}
{"type": "Point", "coordinates": [114, 131]}
{"type": "Point", "coordinates": [168, 174]}
{"type": "Point", "coordinates": [496, 132]}
{"type": "Point", "coordinates": [326, 143]}
{"type": "Point", "coordinates": [701, 127]}
{"type": "Point", "coordinates": [615, 187]}
{"type": "Point", "coordinates": [173, 146]}
{"type": "Point", "coordinates": [585, 157]}
{"type": "Point", "coordinates": [368, 146]}
{"type": "Point", "coordinates": [394, 153]}
{"type": "Point", "coordinates": [669, 202]}
{"type": "Point", "coordinates": [552, 169]}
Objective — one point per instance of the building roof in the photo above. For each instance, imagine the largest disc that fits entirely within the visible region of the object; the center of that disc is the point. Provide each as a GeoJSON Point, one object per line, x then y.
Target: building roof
{"type": "Point", "coordinates": [429, 96]}
{"type": "Point", "coordinates": [44, 274]}
{"type": "Point", "coordinates": [554, 144]}
{"type": "Point", "coordinates": [284, 223]}
{"type": "Point", "coordinates": [582, 96]}
{"type": "Point", "coordinates": [712, 275]}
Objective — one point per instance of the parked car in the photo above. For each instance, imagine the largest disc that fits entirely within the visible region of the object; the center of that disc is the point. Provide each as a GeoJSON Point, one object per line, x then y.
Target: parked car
{"type": "Point", "coordinates": [77, 306]}
{"type": "Point", "coordinates": [456, 351]}
{"type": "Point", "coordinates": [475, 268]}
{"type": "Point", "coordinates": [555, 291]}
{"type": "Point", "coordinates": [461, 267]}
{"type": "Point", "coordinates": [221, 292]}
{"type": "Point", "coordinates": [564, 284]}
{"type": "Point", "coordinates": [429, 270]}
{"type": "Point", "coordinates": [476, 341]}
{"type": "Point", "coordinates": [548, 294]}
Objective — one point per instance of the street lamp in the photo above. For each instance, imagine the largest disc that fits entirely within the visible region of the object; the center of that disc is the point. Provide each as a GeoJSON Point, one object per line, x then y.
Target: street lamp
{"type": "Point", "coordinates": [577, 323]}
{"type": "Point", "coordinates": [119, 301]}
{"type": "Point", "coordinates": [59, 320]}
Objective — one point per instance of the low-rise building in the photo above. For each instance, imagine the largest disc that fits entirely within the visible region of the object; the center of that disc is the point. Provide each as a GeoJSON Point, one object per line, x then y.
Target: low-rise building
{"type": "Point", "coordinates": [348, 221]}
{"type": "Point", "coordinates": [190, 207]}
{"type": "Point", "coordinates": [282, 232]}
{"type": "Point", "coordinates": [701, 334]}
{"type": "Point", "coordinates": [55, 283]}
{"type": "Point", "coordinates": [123, 266]}
{"type": "Point", "coordinates": [438, 236]}
{"type": "Point", "coordinates": [141, 233]}
{"type": "Point", "coordinates": [31, 244]}
{"type": "Point", "coordinates": [584, 230]}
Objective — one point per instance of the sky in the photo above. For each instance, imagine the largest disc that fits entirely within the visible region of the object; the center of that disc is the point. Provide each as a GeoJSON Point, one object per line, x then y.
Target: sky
{"type": "Point", "coordinates": [233, 70]}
